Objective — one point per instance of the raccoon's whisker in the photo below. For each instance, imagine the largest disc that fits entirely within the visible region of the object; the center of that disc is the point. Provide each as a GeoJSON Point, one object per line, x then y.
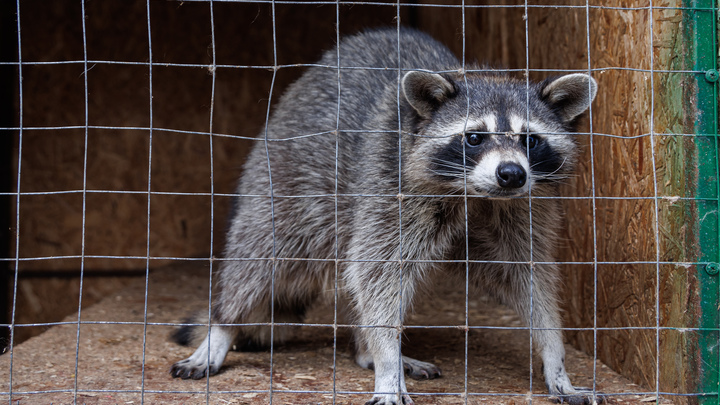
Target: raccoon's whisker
{"type": "Point", "coordinates": [446, 163]}
{"type": "Point", "coordinates": [471, 160]}
{"type": "Point", "coordinates": [452, 174]}
{"type": "Point", "coordinates": [561, 179]}
{"type": "Point", "coordinates": [544, 161]}
{"type": "Point", "coordinates": [559, 167]}
{"type": "Point", "coordinates": [557, 180]}
{"type": "Point", "coordinates": [467, 159]}
{"type": "Point", "coordinates": [555, 176]}
{"type": "Point", "coordinates": [450, 165]}
{"type": "Point", "coordinates": [551, 174]}
{"type": "Point", "coordinates": [552, 177]}
{"type": "Point", "coordinates": [459, 190]}
{"type": "Point", "coordinates": [448, 174]}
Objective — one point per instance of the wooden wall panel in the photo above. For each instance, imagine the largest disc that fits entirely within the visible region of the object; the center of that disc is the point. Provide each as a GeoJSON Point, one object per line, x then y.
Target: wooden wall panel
{"type": "Point", "coordinates": [118, 96]}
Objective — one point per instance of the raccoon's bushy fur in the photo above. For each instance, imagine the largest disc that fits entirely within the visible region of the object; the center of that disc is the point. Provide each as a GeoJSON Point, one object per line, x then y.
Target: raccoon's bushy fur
{"type": "Point", "coordinates": [406, 168]}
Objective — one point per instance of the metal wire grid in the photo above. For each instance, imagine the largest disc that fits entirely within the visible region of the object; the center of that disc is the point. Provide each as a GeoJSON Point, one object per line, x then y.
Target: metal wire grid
{"type": "Point", "coordinates": [651, 135]}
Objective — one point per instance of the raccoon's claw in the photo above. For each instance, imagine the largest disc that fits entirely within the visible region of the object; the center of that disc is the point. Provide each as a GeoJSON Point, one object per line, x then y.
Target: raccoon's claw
{"type": "Point", "coordinates": [420, 370]}
{"type": "Point", "coordinates": [581, 396]}
{"type": "Point", "coordinates": [186, 369]}
{"type": "Point", "coordinates": [390, 400]}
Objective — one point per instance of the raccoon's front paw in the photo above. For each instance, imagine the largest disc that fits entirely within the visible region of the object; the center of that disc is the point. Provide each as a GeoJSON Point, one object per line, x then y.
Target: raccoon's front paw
{"type": "Point", "coordinates": [420, 370]}
{"type": "Point", "coordinates": [581, 396]}
{"type": "Point", "coordinates": [390, 400]}
{"type": "Point", "coordinates": [190, 369]}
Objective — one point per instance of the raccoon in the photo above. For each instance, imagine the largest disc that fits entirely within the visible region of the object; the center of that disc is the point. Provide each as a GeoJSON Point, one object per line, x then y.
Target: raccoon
{"type": "Point", "coordinates": [385, 169]}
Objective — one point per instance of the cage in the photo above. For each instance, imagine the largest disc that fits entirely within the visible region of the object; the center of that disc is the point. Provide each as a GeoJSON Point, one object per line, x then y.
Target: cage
{"type": "Point", "coordinates": [126, 125]}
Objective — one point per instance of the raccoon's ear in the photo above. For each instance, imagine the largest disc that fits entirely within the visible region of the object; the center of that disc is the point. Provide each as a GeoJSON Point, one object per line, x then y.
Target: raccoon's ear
{"type": "Point", "coordinates": [426, 91]}
{"type": "Point", "coordinates": [570, 95]}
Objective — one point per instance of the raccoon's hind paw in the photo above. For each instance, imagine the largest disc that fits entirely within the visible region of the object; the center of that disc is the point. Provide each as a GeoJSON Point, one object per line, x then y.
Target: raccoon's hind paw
{"type": "Point", "coordinates": [187, 368]}
{"type": "Point", "coordinates": [420, 370]}
{"type": "Point", "coordinates": [581, 396]}
{"type": "Point", "coordinates": [390, 400]}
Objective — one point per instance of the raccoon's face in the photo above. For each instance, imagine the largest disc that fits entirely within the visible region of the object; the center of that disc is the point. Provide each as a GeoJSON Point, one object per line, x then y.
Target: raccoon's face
{"type": "Point", "coordinates": [495, 146]}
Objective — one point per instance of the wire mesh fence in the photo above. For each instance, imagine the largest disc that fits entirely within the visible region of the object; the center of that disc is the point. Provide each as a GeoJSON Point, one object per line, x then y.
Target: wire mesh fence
{"type": "Point", "coordinates": [128, 136]}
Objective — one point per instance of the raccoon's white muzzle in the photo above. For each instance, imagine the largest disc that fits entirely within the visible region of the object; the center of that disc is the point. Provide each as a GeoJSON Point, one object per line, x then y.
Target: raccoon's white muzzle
{"type": "Point", "coordinates": [501, 174]}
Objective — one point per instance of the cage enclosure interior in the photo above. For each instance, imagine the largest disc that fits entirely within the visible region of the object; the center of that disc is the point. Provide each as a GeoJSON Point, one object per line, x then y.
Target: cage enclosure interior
{"type": "Point", "coordinates": [128, 124]}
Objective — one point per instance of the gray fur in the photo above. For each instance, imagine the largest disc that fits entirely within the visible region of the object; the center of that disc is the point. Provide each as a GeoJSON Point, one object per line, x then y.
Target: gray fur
{"type": "Point", "coordinates": [384, 235]}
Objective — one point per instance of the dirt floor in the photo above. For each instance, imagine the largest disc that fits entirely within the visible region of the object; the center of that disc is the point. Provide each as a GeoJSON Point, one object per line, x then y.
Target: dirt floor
{"type": "Point", "coordinates": [114, 364]}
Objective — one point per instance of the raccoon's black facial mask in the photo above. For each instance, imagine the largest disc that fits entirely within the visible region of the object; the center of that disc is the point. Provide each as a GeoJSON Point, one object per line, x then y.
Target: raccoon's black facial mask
{"type": "Point", "coordinates": [463, 153]}
{"type": "Point", "coordinates": [452, 161]}
{"type": "Point", "coordinates": [544, 161]}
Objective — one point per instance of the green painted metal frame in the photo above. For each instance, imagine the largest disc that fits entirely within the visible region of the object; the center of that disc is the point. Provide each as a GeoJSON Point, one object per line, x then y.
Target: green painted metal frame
{"type": "Point", "coordinates": [701, 30]}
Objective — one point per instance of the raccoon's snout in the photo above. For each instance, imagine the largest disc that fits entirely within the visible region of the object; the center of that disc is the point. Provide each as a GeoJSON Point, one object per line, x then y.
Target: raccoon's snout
{"type": "Point", "coordinates": [510, 175]}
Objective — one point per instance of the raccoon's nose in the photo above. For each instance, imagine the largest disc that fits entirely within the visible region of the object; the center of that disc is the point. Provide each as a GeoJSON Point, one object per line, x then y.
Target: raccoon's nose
{"type": "Point", "coordinates": [510, 175]}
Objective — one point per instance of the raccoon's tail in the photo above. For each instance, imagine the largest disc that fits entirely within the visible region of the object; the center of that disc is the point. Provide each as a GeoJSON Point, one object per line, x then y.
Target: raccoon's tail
{"type": "Point", "coordinates": [191, 335]}
{"type": "Point", "coordinates": [186, 334]}
{"type": "Point", "coordinates": [249, 338]}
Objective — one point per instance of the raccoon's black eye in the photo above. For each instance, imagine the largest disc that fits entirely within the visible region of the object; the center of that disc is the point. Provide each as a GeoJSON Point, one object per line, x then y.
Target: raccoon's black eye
{"type": "Point", "coordinates": [530, 141]}
{"type": "Point", "coordinates": [473, 139]}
